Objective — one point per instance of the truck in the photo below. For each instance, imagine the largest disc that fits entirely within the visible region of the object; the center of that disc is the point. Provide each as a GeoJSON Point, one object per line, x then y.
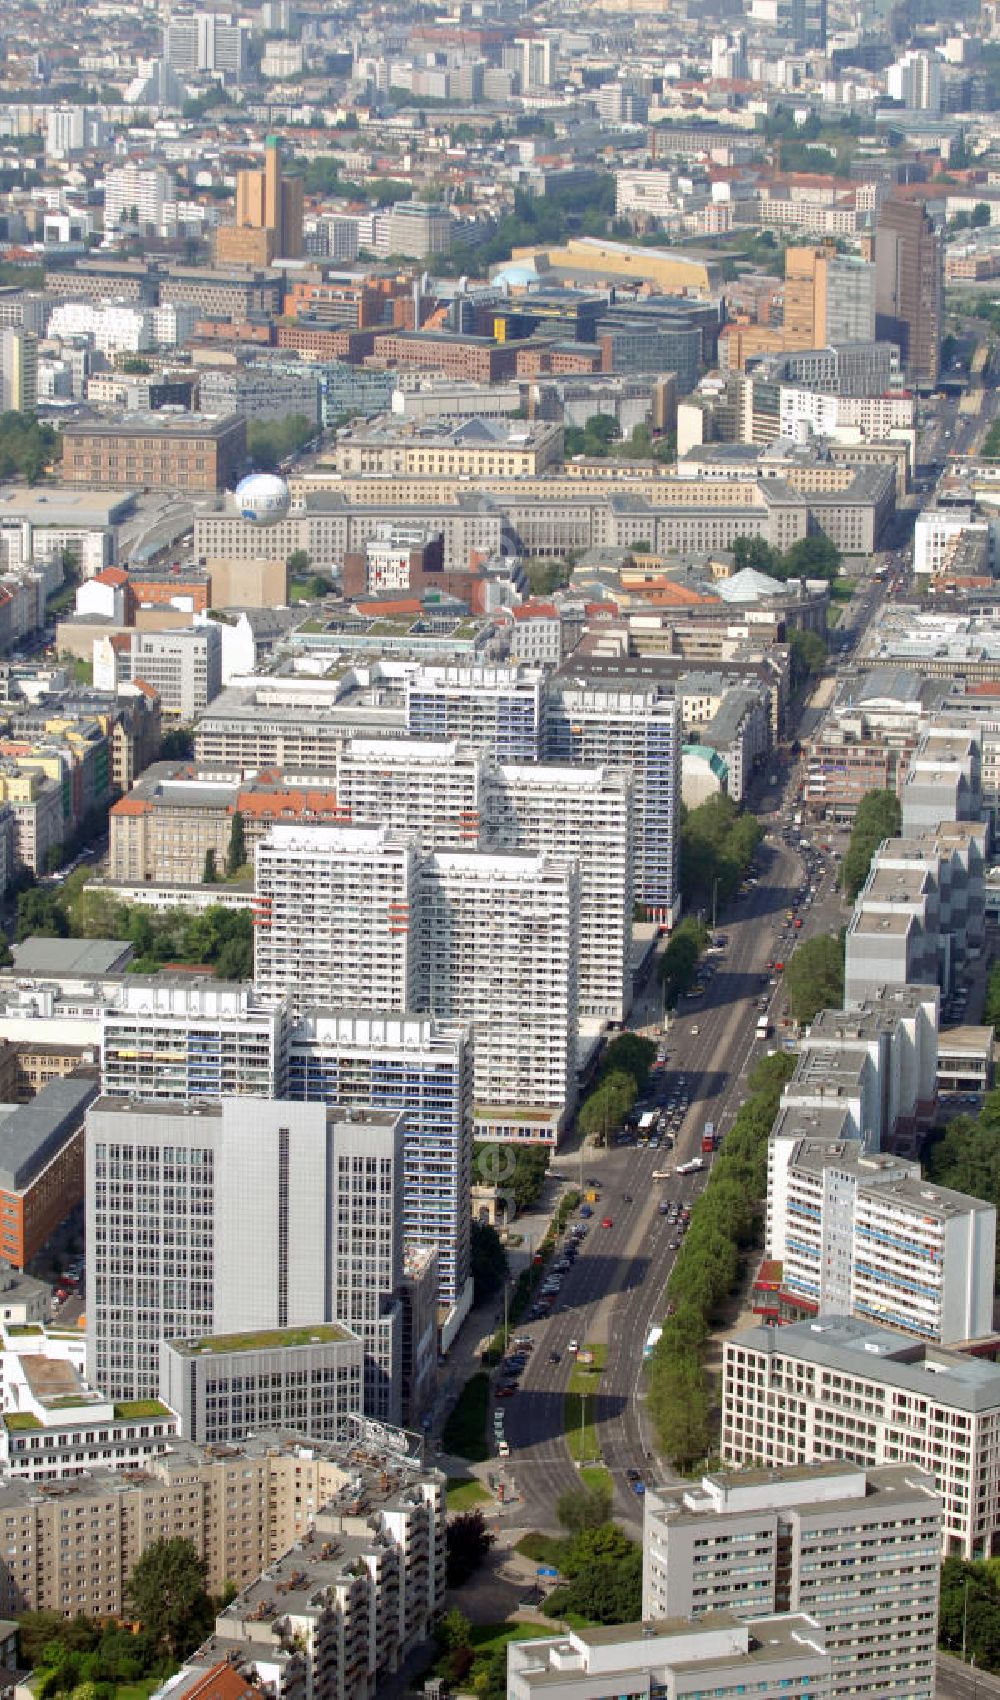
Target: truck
{"type": "Point", "coordinates": [651, 1339]}
{"type": "Point", "coordinates": [708, 1137]}
{"type": "Point", "coordinates": [763, 1027]}
{"type": "Point", "coordinates": [691, 1167]}
{"type": "Point", "coordinates": [647, 1122]}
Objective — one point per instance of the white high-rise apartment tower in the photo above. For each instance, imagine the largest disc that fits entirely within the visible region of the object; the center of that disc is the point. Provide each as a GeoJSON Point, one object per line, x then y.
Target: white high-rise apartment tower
{"type": "Point", "coordinates": [332, 912]}
{"type": "Point", "coordinates": [499, 949]}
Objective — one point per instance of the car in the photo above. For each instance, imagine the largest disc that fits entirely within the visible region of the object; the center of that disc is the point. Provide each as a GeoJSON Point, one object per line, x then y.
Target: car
{"type": "Point", "coordinates": [506, 1391]}
{"type": "Point", "coordinates": [632, 1476]}
{"type": "Point", "coordinates": [607, 1222]}
{"type": "Point", "coordinates": [573, 1347]}
{"type": "Point", "coordinates": [592, 1181]}
{"type": "Point", "coordinates": [554, 1358]}
{"type": "Point", "coordinates": [695, 1031]}
{"type": "Point", "coordinates": [626, 1198]}
{"type": "Point", "coordinates": [638, 1488]}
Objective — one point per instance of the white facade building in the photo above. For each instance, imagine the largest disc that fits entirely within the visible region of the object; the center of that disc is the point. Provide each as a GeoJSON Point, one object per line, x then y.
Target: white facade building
{"type": "Point", "coordinates": [839, 1388]}
{"type": "Point", "coordinates": [857, 1550]}
{"type": "Point", "coordinates": [240, 1215]}
{"type": "Point", "coordinates": [333, 918]}
{"type": "Point", "coordinates": [864, 1235]}
{"type": "Point", "coordinates": [421, 1068]}
{"type": "Point", "coordinates": [177, 1039]}
{"type": "Point", "coordinates": [499, 949]}
{"type": "Point", "coordinates": [135, 194]}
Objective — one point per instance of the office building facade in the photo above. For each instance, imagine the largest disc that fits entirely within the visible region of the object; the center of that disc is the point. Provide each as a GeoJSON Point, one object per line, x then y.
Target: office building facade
{"type": "Point", "coordinates": [857, 1550]}
{"type": "Point", "coordinates": [224, 1217]}
{"type": "Point", "coordinates": [840, 1388]}
{"type": "Point", "coordinates": [910, 287]}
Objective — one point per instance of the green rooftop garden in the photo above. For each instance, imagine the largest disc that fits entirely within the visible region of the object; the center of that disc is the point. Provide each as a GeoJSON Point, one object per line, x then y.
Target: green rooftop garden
{"type": "Point", "coordinates": [72, 1401]}
{"type": "Point", "coordinates": [18, 1330]}
{"type": "Point", "coordinates": [266, 1339]}
{"type": "Point", "coordinates": [17, 1422]}
{"type": "Point", "coordinates": [134, 1410]}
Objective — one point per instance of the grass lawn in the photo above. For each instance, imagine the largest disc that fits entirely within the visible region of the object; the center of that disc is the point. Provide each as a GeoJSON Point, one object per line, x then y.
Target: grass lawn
{"type": "Point", "coordinates": [842, 589]}
{"type": "Point", "coordinates": [596, 1478]}
{"type": "Point", "coordinates": [464, 1492]}
{"type": "Point", "coordinates": [487, 1637]}
{"type": "Point", "coordinates": [584, 1381]}
{"type": "Point", "coordinates": [540, 1549]}
{"type": "Point", "coordinates": [584, 1378]}
{"type": "Point", "coordinates": [465, 1431]}
{"type": "Point", "coordinates": [138, 1690]}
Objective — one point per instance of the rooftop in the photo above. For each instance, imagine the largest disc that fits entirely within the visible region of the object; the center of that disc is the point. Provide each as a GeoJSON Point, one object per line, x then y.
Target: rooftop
{"type": "Point", "coordinates": [264, 1340]}
{"type": "Point", "coordinates": [70, 958]}
{"type": "Point", "coordinates": [32, 1133]}
{"type": "Point", "coordinates": [856, 1347]}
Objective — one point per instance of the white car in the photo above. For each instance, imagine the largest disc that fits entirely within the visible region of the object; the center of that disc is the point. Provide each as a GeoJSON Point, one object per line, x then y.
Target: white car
{"type": "Point", "coordinates": [695, 1031]}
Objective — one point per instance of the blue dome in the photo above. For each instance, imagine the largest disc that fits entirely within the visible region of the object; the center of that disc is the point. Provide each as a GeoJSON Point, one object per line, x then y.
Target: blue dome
{"type": "Point", "coordinates": [517, 275]}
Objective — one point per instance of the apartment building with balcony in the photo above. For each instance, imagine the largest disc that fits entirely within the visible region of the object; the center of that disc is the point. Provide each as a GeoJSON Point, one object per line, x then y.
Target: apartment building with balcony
{"type": "Point", "coordinates": [172, 1037]}
{"type": "Point", "coordinates": [333, 916]}
{"type": "Point", "coordinates": [70, 1546]}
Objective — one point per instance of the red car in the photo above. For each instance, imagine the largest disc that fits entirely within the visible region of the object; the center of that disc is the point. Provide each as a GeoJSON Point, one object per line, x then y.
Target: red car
{"type": "Point", "coordinates": [779, 967]}
{"type": "Point", "coordinates": [606, 1222]}
{"type": "Point", "coordinates": [798, 921]}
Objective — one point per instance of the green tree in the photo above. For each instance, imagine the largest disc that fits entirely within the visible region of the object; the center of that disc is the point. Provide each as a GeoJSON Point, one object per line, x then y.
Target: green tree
{"type": "Point", "coordinates": [814, 977]}
{"type": "Point", "coordinates": [299, 562]}
{"type": "Point", "coordinates": [488, 1262]}
{"type": "Point", "coordinates": [40, 914]}
{"type": "Point", "coordinates": [679, 963]}
{"type": "Point", "coordinates": [177, 744]}
{"type": "Point", "coordinates": [807, 655]}
{"type": "Point", "coordinates": [878, 816]}
{"type": "Point", "coordinates": [584, 1508]}
{"type": "Point", "coordinates": [166, 1590]}
{"type": "Point", "coordinates": [980, 215]}
{"type": "Point", "coordinates": [210, 872]}
{"type": "Point", "coordinates": [454, 1630]}
{"type": "Point", "coordinates": [237, 853]}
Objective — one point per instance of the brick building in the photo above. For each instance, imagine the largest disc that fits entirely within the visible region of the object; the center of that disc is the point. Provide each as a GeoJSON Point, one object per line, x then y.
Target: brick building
{"type": "Point", "coordinates": [41, 1165]}
{"type": "Point", "coordinates": [156, 452]}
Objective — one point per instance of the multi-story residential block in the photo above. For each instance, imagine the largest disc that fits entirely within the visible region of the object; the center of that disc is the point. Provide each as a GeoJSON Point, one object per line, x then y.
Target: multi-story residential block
{"type": "Point", "coordinates": [456, 798]}
{"type": "Point", "coordinates": [865, 1236]}
{"type": "Point", "coordinates": [226, 1386]}
{"type": "Point", "coordinates": [334, 917]}
{"type": "Point", "coordinates": [586, 815]}
{"type": "Point", "coordinates": [771, 1657]}
{"type": "Point", "coordinates": [498, 709]}
{"type": "Point", "coordinates": [242, 1506]}
{"type": "Point", "coordinates": [499, 949]}
{"type": "Point", "coordinates": [420, 1067]}
{"type": "Point", "coordinates": [239, 1214]}
{"type": "Point", "coordinates": [135, 194]}
{"type": "Point", "coordinates": [840, 1388]}
{"type": "Point", "coordinates": [632, 726]}
{"type": "Point", "coordinates": [858, 1551]}
{"type": "Point", "coordinates": [175, 1038]}
{"type": "Point", "coordinates": [159, 452]}
{"type": "Point", "coordinates": [435, 788]}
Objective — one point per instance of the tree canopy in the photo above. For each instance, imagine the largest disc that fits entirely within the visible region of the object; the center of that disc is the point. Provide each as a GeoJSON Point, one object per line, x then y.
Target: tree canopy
{"type": "Point", "coordinates": [26, 446]}
{"type": "Point", "coordinates": [488, 1262]}
{"type": "Point", "coordinates": [623, 1073]}
{"type": "Point", "coordinates": [724, 1223]}
{"type": "Point", "coordinates": [814, 977]}
{"type": "Point", "coordinates": [717, 847]}
{"type": "Point", "coordinates": [679, 963]}
{"type": "Point", "coordinates": [166, 1590]}
{"type": "Point", "coordinates": [878, 816]}
{"type": "Point", "coordinates": [217, 937]}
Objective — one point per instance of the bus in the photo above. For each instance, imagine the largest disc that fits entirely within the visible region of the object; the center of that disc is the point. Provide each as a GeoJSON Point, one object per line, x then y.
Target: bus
{"type": "Point", "coordinates": [647, 1122]}
{"type": "Point", "coordinates": [651, 1339]}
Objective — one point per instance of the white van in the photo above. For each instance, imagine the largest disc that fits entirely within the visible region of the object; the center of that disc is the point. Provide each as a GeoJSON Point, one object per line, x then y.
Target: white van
{"type": "Point", "coordinates": [503, 1449]}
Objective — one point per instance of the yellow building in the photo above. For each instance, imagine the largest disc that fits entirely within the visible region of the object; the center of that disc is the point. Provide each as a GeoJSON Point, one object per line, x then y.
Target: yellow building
{"type": "Point", "coordinates": [268, 216]}
{"type": "Point", "coordinates": [674, 274]}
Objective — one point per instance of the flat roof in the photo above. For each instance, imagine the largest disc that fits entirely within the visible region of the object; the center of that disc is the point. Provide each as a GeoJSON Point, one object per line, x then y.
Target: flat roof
{"type": "Point", "coordinates": [849, 1344]}
{"type": "Point", "coordinates": [264, 1340]}
{"type": "Point", "coordinates": [70, 957]}
{"type": "Point", "coordinates": [34, 1132]}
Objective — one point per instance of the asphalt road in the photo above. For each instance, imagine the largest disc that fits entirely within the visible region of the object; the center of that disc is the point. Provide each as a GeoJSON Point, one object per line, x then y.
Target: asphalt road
{"type": "Point", "coordinates": [613, 1292]}
{"type": "Point", "coordinates": [956, 1681]}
